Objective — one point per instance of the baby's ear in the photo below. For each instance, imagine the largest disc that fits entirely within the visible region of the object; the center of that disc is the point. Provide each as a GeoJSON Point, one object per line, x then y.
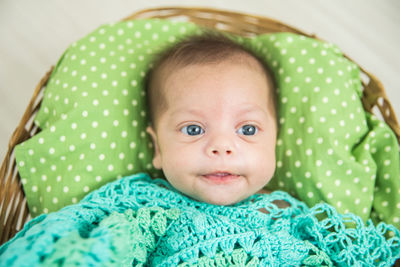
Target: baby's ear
{"type": "Point", "coordinates": [157, 156]}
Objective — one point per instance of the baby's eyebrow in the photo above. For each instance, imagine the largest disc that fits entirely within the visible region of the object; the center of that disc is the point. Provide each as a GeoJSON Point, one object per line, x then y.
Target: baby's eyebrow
{"type": "Point", "coordinates": [195, 112]}
{"type": "Point", "coordinates": [251, 109]}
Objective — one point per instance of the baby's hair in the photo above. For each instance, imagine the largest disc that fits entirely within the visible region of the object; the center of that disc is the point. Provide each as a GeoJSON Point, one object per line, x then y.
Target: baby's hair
{"type": "Point", "coordinates": [208, 48]}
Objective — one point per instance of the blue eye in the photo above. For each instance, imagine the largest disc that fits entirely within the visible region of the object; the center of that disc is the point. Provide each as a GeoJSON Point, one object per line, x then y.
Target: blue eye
{"type": "Point", "coordinates": [248, 130]}
{"type": "Point", "coordinates": [192, 130]}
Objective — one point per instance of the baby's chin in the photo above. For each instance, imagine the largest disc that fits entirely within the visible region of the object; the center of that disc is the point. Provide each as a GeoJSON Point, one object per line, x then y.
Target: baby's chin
{"type": "Point", "coordinates": [221, 201]}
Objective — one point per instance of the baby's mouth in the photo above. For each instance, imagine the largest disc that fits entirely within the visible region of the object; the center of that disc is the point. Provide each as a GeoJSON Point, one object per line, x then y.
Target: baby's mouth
{"type": "Point", "coordinates": [220, 177]}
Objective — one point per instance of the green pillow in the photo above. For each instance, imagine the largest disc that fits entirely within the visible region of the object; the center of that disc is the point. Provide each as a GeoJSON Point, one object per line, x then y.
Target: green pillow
{"type": "Point", "coordinates": [93, 115]}
{"type": "Point", "coordinates": [93, 120]}
{"type": "Point", "coordinates": [329, 149]}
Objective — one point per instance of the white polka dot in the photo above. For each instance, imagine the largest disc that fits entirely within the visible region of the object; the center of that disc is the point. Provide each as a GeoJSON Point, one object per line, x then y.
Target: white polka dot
{"type": "Point", "coordinates": [132, 145]}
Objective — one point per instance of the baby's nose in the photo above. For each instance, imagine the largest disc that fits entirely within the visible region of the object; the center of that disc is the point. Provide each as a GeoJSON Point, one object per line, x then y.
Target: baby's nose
{"type": "Point", "coordinates": [221, 151]}
{"type": "Point", "coordinates": [220, 145]}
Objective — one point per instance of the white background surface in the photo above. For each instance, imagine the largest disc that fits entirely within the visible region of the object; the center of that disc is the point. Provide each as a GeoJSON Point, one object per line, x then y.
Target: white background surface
{"type": "Point", "coordinates": [34, 34]}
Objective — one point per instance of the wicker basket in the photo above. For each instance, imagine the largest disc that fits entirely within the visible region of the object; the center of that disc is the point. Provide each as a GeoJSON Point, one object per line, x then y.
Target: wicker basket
{"type": "Point", "coordinates": [13, 207]}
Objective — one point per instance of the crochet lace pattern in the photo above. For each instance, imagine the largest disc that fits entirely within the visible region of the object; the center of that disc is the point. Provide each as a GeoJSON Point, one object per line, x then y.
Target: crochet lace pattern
{"type": "Point", "coordinates": [137, 221]}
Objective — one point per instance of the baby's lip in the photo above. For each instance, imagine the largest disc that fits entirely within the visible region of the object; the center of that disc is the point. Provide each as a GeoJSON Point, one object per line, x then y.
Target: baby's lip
{"type": "Point", "coordinates": [220, 173]}
{"type": "Point", "coordinates": [220, 177]}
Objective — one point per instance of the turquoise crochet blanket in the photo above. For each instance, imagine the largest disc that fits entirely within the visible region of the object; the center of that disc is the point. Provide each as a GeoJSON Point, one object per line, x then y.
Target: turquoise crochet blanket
{"type": "Point", "coordinates": [137, 221]}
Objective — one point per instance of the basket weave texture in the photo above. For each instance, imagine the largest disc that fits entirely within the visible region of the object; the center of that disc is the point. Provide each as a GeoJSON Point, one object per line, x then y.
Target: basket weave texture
{"type": "Point", "coordinates": [13, 207]}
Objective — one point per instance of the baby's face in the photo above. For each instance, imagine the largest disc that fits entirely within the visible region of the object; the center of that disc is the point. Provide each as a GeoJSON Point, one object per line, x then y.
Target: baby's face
{"type": "Point", "coordinates": [215, 142]}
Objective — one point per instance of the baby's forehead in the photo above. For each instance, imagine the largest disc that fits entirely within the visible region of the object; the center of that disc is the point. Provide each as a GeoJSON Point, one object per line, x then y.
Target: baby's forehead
{"type": "Point", "coordinates": [240, 59]}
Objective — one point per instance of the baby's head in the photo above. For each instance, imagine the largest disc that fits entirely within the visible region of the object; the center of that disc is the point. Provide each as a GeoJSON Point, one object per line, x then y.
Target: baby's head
{"type": "Point", "coordinates": [213, 114]}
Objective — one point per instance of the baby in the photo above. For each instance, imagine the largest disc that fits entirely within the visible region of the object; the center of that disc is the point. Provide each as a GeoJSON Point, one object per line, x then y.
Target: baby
{"type": "Point", "coordinates": [213, 114]}
{"type": "Point", "coordinates": [214, 130]}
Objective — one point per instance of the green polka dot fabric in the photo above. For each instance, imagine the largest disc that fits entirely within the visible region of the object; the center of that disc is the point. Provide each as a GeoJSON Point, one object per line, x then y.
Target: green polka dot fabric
{"type": "Point", "coordinates": [328, 148]}
{"type": "Point", "coordinates": [93, 115]}
{"type": "Point", "coordinates": [93, 120]}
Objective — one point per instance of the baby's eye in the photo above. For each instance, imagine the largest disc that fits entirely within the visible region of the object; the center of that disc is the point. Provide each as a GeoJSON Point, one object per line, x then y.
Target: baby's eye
{"type": "Point", "coordinates": [248, 130]}
{"type": "Point", "coordinates": [192, 130]}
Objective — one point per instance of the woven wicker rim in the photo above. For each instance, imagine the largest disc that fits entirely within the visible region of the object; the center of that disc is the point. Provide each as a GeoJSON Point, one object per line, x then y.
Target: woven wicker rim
{"type": "Point", "coordinates": [13, 207]}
